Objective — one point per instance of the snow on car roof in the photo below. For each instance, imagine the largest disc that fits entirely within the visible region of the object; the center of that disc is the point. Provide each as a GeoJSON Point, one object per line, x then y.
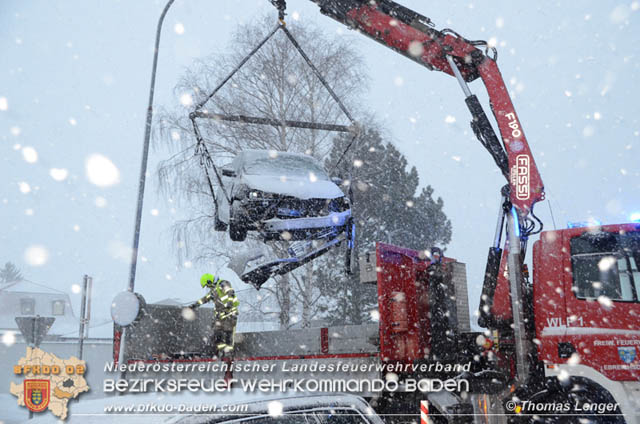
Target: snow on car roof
{"type": "Point", "coordinates": [93, 410]}
{"type": "Point", "coordinates": [272, 162]}
{"type": "Point", "coordinates": [262, 153]}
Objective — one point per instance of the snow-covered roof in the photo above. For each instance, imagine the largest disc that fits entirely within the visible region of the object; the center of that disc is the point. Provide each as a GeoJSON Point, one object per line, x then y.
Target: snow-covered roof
{"type": "Point", "coordinates": [29, 286]}
{"type": "Point", "coordinates": [27, 298]}
{"type": "Point", "coordinates": [173, 301]}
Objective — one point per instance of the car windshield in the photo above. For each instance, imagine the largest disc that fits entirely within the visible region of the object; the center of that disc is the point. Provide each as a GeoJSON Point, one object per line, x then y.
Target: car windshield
{"type": "Point", "coordinates": [284, 164]}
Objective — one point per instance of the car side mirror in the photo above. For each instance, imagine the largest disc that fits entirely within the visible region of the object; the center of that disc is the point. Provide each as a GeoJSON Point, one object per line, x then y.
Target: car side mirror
{"type": "Point", "coordinates": [228, 172]}
{"type": "Point", "coordinates": [337, 181]}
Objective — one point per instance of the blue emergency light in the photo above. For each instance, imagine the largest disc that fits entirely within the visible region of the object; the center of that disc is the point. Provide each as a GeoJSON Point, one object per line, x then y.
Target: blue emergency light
{"type": "Point", "coordinates": [635, 217]}
{"type": "Point", "coordinates": [582, 224]}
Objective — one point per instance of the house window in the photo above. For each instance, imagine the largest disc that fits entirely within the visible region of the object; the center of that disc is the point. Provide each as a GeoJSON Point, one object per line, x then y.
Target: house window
{"type": "Point", "coordinates": [57, 307]}
{"type": "Point", "coordinates": [28, 306]}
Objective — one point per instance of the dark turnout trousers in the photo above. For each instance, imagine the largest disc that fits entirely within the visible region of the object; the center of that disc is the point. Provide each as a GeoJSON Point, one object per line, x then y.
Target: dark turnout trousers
{"type": "Point", "coordinates": [223, 335]}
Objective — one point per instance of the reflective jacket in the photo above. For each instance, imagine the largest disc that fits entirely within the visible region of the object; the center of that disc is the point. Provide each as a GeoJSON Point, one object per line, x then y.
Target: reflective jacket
{"type": "Point", "coordinates": [224, 299]}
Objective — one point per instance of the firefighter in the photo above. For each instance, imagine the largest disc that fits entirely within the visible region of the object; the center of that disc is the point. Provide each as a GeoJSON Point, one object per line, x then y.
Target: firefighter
{"type": "Point", "coordinates": [225, 315]}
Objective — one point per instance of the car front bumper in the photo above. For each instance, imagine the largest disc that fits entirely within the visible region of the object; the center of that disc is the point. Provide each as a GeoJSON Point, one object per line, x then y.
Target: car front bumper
{"type": "Point", "coordinates": [333, 220]}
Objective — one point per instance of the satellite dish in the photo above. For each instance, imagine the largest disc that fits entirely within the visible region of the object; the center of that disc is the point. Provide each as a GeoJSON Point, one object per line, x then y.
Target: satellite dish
{"type": "Point", "coordinates": [126, 308]}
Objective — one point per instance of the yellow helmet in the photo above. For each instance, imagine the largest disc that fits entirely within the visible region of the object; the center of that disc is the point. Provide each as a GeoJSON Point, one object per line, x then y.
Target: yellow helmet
{"type": "Point", "coordinates": [208, 279]}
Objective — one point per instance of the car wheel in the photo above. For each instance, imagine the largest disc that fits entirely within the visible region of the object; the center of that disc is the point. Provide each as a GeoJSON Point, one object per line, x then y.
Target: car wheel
{"type": "Point", "coordinates": [237, 226]}
{"type": "Point", "coordinates": [237, 231]}
{"type": "Point", "coordinates": [219, 225]}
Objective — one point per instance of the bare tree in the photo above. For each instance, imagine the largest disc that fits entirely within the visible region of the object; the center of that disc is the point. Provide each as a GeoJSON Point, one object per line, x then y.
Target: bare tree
{"type": "Point", "coordinates": [275, 83]}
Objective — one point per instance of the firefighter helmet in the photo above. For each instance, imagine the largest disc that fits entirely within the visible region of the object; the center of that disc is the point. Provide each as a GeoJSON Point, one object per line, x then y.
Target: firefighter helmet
{"type": "Point", "coordinates": [207, 279]}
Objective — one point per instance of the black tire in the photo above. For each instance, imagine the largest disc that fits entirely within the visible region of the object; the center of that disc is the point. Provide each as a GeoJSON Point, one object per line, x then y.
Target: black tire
{"type": "Point", "coordinates": [237, 231]}
{"type": "Point", "coordinates": [219, 225]}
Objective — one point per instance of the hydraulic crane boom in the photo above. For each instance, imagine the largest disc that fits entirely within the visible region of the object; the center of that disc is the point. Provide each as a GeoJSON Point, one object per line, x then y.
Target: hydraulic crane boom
{"type": "Point", "coordinates": [413, 35]}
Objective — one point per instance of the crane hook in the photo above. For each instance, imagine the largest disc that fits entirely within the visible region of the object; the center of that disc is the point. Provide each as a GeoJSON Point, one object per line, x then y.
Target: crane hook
{"type": "Point", "coordinates": [281, 5]}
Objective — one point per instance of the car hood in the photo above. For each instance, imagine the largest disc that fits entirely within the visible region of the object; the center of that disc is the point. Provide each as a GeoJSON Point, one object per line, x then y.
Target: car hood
{"type": "Point", "coordinates": [300, 187]}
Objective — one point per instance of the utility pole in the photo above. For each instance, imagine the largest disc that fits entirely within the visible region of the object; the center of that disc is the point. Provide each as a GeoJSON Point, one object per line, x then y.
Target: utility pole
{"type": "Point", "coordinates": [88, 320]}
{"type": "Point", "coordinates": [83, 312]}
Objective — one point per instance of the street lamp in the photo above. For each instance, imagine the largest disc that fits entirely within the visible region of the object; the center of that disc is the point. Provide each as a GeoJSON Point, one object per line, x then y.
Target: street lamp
{"type": "Point", "coordinates": [145, 153]}
{"type": "Point", "coordinates": [143, 173]}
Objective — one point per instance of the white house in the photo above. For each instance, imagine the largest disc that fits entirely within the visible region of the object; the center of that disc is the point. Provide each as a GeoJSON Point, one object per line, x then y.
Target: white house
{"type": "Point", "coordinates": [25, 298]}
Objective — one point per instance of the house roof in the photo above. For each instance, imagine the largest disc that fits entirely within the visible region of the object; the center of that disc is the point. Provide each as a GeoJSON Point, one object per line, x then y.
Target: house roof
{"type": "Point", "coordinates": [29, 287]}
{"type": "Point", "coordinates": [174, 301]}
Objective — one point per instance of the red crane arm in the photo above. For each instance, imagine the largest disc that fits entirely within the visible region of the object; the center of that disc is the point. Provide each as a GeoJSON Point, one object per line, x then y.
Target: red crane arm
{"type": "Point", "coordinates": [413, 36]}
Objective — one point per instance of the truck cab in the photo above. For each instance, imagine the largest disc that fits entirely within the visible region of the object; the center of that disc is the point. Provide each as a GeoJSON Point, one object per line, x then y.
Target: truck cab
{"type": "Point", "coordinates": [586, 300]}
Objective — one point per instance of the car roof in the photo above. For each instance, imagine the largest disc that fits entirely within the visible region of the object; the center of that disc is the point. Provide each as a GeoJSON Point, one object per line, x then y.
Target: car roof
{"type": "Point", "coordinates": [90, 411]}
{"type": "Point", "coordinates": [288, 403]}
{"type": "Point", "coordinates": [253, 154]}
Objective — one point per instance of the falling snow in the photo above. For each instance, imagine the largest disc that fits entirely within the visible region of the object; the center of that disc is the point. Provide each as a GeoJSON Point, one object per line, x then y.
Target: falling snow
{"type": "Point", "coordinates": [101, 171]}
{"type": "Point", "coordinates": [58, 174]}
{"type": "Point", "coordinates": [9, 338]}
{"type": "Point", "coordinates": [36, 255]}
{"type": "Point", "coordinates": [29, 154]}
{"type": "Point", "coordinates": [24, 187]}
{"type": "Point", "coordinates": [580, 119]}
{"type": "Point", "coordinates": [100, 202]}
{"type": "Point", "coordinates": [186, 100]}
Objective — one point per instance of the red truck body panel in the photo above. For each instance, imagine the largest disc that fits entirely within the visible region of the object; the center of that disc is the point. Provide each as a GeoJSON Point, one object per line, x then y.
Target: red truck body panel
{"type": "Point", "coordinates": [605, 333]}
{"type": "Point", "coordinates": [403, 302]}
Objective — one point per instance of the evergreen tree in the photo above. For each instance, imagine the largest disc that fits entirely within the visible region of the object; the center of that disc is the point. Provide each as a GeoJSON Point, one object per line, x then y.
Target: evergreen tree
{"type": "Point", "coordinates": [10, 273]}
{"type": "Point", "coordinates": [387, 208]}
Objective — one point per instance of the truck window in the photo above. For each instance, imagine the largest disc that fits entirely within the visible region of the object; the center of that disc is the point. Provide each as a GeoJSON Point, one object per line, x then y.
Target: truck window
{"type": "Point", "coordinates": [605, 264]}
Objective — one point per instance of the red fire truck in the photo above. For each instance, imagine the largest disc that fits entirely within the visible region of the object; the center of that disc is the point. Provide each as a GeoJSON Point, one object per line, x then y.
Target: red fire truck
{"type": "Point", "coordinates": [564, 344]}
{"type": "Point", "coordinates": [580, 333]}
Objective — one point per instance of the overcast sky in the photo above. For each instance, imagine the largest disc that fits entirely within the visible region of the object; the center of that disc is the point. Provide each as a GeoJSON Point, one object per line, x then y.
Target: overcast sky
{"type": "Point", "coordinates": [74, 81]}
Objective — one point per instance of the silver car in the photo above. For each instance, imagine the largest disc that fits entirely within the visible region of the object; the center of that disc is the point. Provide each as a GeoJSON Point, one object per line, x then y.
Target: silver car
{"type": "Point", "coordinates": [235, 406]}
{"type": "Point", "coordinates": [281, 195]}
{"type": "Point", "coordinates": [300, 409]}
